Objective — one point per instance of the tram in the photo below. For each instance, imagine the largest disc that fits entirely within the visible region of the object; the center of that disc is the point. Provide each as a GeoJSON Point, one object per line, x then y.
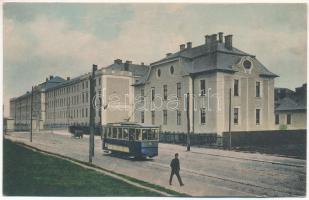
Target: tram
{"type": "Point", "coordinates": [133, 139]}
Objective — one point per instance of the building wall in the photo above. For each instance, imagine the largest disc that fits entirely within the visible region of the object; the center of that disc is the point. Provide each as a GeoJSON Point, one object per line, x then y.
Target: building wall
{"type": "Point", "coordinates": [70, 104]}
{"type": "Point", "coordinates": [298, 120]}
{"type": "Point", "coordinates": [172, 104]}
{"type": "Point", "coordinates": [215, 101]}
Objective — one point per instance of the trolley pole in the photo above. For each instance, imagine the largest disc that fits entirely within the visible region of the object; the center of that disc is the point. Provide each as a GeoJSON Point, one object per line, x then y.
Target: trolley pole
{"type": "Point", "coordinates": [31, 111]}
{"type": "Point", "coordinates": [91, 114]}
{"type": "Point", "coordinates": [188, 123]}
{"type": "Point", "coordinates": [230, 112]}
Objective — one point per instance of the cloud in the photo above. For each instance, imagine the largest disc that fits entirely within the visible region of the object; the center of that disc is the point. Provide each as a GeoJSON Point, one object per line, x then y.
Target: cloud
{"type": "Point", "coordinates": [66, 39]}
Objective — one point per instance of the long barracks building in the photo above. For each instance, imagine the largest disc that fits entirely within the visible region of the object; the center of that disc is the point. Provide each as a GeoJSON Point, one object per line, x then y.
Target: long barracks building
{"type": "Point", "coordinates": [204, 75]}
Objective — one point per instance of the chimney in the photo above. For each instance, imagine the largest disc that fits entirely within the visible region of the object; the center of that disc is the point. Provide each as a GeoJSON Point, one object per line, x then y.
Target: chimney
{"type": "Point", "coordinates": [94, 67]}
{"type": "Point", "coordinates": [142, 63]}
{"type": "Point", "coordinates": [182, 47]}
{"type": "Point", "coordinates": [129, 62]}
{"type": "Point", "coordinates": [228, 42]}
{"type": "Point", "coordinates": [46, 79]}
{"type": "Point", "coordinates": [51, 77]}
{"type": "Point", "coordinates": [220, 37]}
{"type": "Point", "coordinates": [207, 40]}
{"type": "Point", "coordinates": [118, 61]}
{"type": "Point", "coordinates": [168, 54]}
{"type": "Point", "coordinates": [189, 45]}
{"type": "Point", "coordinates": [68, 78]}
{"type": "Point", "coordinates": [213, 38]}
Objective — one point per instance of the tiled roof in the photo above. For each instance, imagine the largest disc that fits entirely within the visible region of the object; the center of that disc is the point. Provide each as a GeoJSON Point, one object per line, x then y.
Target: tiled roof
{"type": "Point", "coordinates": [209, 59]}
{"type": "Point", "coordinates": [137, 70]}
{"type": "Point", "coordinates": [290, 104]}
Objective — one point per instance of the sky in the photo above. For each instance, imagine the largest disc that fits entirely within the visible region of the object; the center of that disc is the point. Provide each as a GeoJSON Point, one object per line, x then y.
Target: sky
{"type": "Point", "coordinates": [65, 39]}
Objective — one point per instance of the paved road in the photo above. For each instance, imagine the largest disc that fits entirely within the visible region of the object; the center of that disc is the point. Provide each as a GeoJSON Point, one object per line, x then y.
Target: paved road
{"type": "Point", "coordinates": [205, 172]}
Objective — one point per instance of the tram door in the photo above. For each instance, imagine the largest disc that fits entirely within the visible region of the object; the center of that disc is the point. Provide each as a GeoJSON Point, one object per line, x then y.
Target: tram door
{"type": "Point", "coordinates": [132, 145]}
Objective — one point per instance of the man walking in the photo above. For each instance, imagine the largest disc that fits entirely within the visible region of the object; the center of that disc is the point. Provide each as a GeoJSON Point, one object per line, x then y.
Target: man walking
{"type": "Point", "coordinates": [175, 165]}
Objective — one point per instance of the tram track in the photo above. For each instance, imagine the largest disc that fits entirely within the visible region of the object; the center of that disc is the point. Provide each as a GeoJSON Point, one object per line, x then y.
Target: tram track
{"type": "Point", "coordinates": [247, 159]}
{"type": "Point", "coordinates": [235, 181]}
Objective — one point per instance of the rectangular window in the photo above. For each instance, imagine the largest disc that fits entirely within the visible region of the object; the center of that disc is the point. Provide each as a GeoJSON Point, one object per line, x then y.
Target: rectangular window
{"type": "Point", "coordinates": [236, 115]}
{"type": "Point", "coordinates": [164, 117]}
{"type": "Point", "coordinates": [86, 97]}
{"type": "Point", "coordinates": [257, 116]}
{"type": "Point", "coordinates": [86, 112]}
{"type": "Point", "coordinates": [165, 92]}
{"type": "Point", "coordinates": [178, 90]}
{"type": "Point", "coordinates": [258, 89]}
{"type": "Point", "coordinates": [153, 94]}
{"type": "Point", "coordinates": [153, 115]}
{"type": "Point", "coordinates": [178, 117]}
{"type": "Point", "coordinates": [236, 87]}
{"type": "Point", "coordinates": [203, 116]}
{"type": "Point", "coordinates": [202, 87]}
{"type": "Point", "coordinates": [277, 119]}
{"type": "Point", "coordinates": [142, 117]}
{"type": "Point", "coordinates": [288, 119]}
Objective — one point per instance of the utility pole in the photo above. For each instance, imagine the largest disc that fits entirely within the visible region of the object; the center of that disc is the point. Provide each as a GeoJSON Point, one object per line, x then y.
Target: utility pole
{"type": "Point", "coordinates": [230, 112]}
{"type": "Point", "coordinates": [91, 113]}
{"type": "Point", "coordinates": [188, 122]}
{"type": "Point", "coordinates": [54, 115]}
{"type": "Point", "coordinates": [31, 110]}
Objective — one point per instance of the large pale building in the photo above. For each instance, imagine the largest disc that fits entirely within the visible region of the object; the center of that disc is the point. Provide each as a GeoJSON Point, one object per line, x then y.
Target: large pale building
{"type": "Point", "coordinates": [20, 107]}
{"type": "Point", "coordinates": [67, 102]}
{"type": "Point", "coordinates": [207, 73]}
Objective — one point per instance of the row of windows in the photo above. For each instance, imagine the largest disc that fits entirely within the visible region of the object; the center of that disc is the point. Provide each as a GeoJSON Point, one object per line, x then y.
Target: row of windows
{"type": "Point", "coordinates": [131, 133]}
{"type": "Point", "coordinates": [236, 88]}
{"type": "Point", "coordinates": [171, 71]}
{"type": "Point", "coordinates": [73, 88]}
{"type": "Point", "coordinates": [153, 116]}
{"type": "Point", "coordinates": [153, 92]}
{"type": "Point", "coordinates": [71, 114]}
{"type": "Point", "coordinates": [236, 116]}
{"type": "Point", "coordinates": [74, 100]}
{"type": "Point", "coordinates": [288, 119]}
{"type": "Point", "coordinates": [202, 116]}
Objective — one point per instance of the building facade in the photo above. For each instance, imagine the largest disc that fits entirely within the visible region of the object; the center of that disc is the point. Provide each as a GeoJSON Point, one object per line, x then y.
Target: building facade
{"type": "Point", "coordinates": [20, 107]}
{"type": "Point", "coordinates": [206, 74]}
{"type": "Point", "coordinates": [210, 88]}
{"type": "Point", "coordinates": [58, 104]}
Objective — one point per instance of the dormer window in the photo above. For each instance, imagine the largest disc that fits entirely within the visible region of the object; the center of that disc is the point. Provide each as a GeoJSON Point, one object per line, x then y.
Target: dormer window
{"type": "Point", "coordinates": [247, 64]}
{"type": "Point", "coordinates": [172, 69]}
{"type": "Point", "coordinates": [159, 72]}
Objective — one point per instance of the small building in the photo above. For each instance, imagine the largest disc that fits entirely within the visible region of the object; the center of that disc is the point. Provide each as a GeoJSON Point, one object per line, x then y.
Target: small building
{"type": "Point", "coordinates": [291, 109]}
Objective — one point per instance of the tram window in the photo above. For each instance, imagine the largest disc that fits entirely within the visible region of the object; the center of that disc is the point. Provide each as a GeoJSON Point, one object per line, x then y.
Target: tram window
{"type": "Point", "coordinates": [109, 132]}
{"type": "Point", "coordinates": [144, 134]}
{"type": "Point", "coordinates": [125, 133]}
{"type": "Point", "coordinates": [119, 133]}
{"type": "Point", "coordinates": [137, 133]}
{"type": "Point", "coordinates": [156, 134]}
{"type": "Point", "coordinates": [114, 132]}
{"type": "Point", "coordinates": [131, 133]}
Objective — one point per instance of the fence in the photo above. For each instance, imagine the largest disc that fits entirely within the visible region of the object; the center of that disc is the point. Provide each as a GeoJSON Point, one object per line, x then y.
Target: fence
{"type": "Point", "coordinates": [195, 139]}
{"type": "Point", "coordinates": [264, 138]}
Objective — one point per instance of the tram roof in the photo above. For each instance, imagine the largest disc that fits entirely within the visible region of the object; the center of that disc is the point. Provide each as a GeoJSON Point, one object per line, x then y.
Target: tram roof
{"type": "Point", "coordinates": [132, 124]}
